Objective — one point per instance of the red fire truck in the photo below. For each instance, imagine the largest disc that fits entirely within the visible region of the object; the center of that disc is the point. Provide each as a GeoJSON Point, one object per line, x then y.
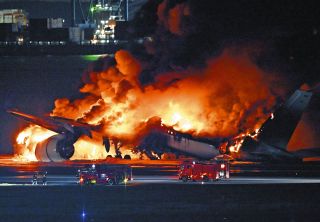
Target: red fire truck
{"type": "Point", "coordinates": [204, 171]}
{"type": "Point", "coordinates": [104, 174]}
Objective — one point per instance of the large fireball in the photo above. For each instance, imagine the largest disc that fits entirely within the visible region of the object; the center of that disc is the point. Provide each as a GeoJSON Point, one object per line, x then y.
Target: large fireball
{"type": "Point", "coordinates": [227, 97]}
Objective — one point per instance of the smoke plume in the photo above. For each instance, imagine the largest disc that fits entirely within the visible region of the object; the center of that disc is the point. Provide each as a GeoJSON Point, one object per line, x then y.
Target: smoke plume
{"type": "Point", "coordinates": [207, 68]}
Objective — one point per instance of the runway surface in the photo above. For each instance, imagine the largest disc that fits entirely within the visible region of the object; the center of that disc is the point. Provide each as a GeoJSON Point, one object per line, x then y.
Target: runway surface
{"type": "Point", "coordinates": [255, 192]}
{"type": "Point", "coordinates": [61, 180]}
{"type": "Point", "coordinates": [163, 172]}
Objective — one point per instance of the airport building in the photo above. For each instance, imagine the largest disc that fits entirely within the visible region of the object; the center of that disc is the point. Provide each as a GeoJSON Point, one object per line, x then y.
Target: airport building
{"type": "Point", "coordinates": [103, 23]}
{"type": "Point", "coordinates": [13, 16]}
{"type": "Point", "coordinates": [13, 23]}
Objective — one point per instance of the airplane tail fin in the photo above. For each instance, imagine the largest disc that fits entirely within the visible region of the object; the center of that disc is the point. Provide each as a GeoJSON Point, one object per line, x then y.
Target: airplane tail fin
{"type": "Point", "coordinates": [278, 129]}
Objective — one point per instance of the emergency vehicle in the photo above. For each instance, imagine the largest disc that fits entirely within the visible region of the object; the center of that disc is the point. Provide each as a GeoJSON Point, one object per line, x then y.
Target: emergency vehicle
{"type": "Point", "coordinates": [204, 170]}
{"type": "Point", "coordinates": [104, 174]}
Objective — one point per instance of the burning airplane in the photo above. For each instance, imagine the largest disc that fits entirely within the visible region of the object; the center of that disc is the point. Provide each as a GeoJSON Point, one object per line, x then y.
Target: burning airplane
{"type": "Point", "coordinates": [270, 142]}
{"type": "Point", "coordinates": [188, 112]}
{"type": "Point", "coordinates": [57, 144]}
{"type": "Point", "coordinates": [202, 103]}
{"type": "Point", "coordinates": [186, 89]}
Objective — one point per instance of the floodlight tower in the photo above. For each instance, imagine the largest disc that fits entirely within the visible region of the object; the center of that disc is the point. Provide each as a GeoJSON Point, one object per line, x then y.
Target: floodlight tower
{"type": "Point", "coordinates": [73, 13]}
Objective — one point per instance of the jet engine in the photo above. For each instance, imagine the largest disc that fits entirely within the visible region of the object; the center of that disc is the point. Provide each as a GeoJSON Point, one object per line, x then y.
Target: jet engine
{"type": "Point", "coordinates": [55, 149]}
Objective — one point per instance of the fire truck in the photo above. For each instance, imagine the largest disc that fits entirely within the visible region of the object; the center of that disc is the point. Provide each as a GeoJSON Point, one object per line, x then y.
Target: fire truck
{"type": "Point", "coordinates": [204, 170]}
{"type": "Point", "coordinates": [104, 174]}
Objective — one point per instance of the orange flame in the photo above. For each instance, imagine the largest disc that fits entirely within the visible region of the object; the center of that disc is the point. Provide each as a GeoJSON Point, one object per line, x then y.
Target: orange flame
{"type": "Point", "coordinates": [93, 149]}
{"type": "Point", "coordinates": [228, 96]}
{"type": "Point", "coordinates": [238, 140]}
{"type": "Point", "coordinates": [27, 141]}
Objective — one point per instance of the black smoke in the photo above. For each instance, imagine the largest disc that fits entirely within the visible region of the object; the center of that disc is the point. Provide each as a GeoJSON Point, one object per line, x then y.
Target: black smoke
{"type": "Point", "coordinates": [284, 36]}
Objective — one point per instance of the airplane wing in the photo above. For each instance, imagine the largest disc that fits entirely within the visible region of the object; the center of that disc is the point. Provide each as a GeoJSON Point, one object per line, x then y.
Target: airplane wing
{"type": "Point", "coordinates": [56, 124]}
{"type": "Point", "coordinates": [59, 147]}
{"type": "Point", "coordinates": [43, 122]}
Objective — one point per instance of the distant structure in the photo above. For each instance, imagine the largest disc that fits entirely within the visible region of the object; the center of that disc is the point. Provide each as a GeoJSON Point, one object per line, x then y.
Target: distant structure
{"type": "Point", "coordinates": [100, 22]}
{"type": "Point", "coordinates": [103, 22]}
{"type": "Point", "coordinates": [13, 23]}
{"type": "Point", "coordinates": [53, 23]}
{"type": "Point", "coordinates": [106, 15]}
{"type": "Point", "coordinates": [47, 30]}
{"type": "Point", "coordinates": [13, 16]}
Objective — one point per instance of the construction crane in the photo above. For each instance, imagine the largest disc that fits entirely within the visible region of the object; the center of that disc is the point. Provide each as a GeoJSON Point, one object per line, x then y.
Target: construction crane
{"type": "Point", "coordinates": [110, 9]}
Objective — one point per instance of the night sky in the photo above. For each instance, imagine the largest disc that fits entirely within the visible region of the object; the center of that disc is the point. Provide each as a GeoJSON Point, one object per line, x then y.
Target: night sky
{"type": "Point", "coordinates": [285, 32]}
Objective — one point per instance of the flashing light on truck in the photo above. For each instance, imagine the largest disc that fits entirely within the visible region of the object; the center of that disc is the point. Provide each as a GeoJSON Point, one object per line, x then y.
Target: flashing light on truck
{"type": "Point", "coordinates": [105, 174]}
{"type": "Point", "coordinates": [204, 171]}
